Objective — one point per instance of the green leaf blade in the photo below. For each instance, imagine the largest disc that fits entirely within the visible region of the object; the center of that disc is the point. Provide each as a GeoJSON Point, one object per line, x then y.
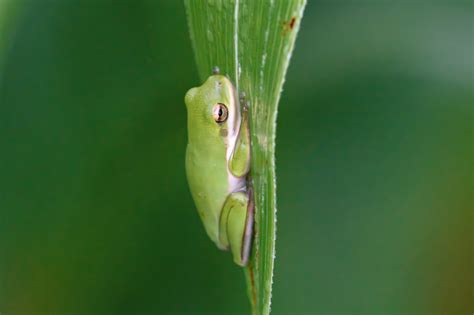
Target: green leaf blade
{"type": "Point", "coordinates": [251, 42]}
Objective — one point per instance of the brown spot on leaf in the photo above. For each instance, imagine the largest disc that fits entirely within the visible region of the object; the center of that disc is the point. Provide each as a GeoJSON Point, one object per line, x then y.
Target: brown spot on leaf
{"type": "Point", "coordinates": [292, 22]}
{"type": "Point", "coordinates": [289, 25]}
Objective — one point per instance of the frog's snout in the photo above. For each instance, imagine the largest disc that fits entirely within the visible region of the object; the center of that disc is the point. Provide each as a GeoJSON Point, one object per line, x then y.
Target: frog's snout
{"type": "Point", "coordinates": [188, 99]}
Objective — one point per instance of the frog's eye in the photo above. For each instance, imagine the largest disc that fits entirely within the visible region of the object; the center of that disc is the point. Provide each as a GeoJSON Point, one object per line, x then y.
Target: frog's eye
{"type": "Point", "coordinates": [220, 113]}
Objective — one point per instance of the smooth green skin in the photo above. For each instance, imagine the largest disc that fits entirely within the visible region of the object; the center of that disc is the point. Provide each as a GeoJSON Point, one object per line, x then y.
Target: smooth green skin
{"type": "Point", "coordinates": [217, 162]}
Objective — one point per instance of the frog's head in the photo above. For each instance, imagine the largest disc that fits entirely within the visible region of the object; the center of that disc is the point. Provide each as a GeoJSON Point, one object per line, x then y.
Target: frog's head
{"type": "Point", "coordinates": [213, 110]}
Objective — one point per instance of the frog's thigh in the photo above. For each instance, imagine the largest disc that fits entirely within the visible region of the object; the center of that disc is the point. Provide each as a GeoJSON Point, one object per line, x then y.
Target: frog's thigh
{"type": "Point", "coordinates": [235, 227]}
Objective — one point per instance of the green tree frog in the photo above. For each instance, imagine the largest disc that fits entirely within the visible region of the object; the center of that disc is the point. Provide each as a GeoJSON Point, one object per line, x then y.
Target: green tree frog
{"type": "Point", "coordinates": [217, 164]}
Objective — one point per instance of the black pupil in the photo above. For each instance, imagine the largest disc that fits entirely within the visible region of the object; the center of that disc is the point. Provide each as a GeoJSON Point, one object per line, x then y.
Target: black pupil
{"type": "Point", "coordinates": [221, 112]}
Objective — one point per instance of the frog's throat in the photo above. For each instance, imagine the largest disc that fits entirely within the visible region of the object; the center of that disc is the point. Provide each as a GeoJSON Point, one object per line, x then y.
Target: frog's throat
{"type": "Point", "coordinates": [234, 183]}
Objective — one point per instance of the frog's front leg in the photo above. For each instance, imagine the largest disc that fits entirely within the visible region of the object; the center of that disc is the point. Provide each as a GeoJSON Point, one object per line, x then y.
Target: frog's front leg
{"type": "Point", "coordinates": [239, 163]}
{"type": "Point", "coordinates": [236, 226]}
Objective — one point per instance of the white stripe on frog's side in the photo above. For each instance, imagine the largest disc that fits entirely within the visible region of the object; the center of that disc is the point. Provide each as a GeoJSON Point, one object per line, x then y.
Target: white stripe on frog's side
{"type": "Point", "coordinates": [234, 183]}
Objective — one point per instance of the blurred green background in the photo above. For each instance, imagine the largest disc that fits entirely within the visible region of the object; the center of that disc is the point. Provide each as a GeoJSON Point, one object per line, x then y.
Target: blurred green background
{"type": "Point", "coordinates": [374, 164]}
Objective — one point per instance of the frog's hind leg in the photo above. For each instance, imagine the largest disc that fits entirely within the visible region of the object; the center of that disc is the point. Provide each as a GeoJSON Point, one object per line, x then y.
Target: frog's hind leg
{"type": "Point", "coordinates": [236, 226]}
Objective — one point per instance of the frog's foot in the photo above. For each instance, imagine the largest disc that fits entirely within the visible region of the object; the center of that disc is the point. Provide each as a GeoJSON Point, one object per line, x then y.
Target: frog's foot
{"type": "Point", "coordinates": [236, 226]}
